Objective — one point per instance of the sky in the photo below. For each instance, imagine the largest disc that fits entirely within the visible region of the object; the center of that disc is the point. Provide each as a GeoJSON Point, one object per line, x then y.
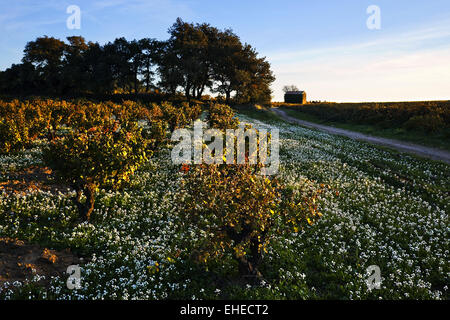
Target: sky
{"type": "Point", "coordinates": [323, 47]}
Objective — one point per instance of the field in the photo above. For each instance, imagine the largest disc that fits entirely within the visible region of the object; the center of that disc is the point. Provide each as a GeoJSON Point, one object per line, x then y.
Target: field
{"type": "Point", "coordinates": [378, 208]}
{"type": "Point", "coordinates": [425, 123]}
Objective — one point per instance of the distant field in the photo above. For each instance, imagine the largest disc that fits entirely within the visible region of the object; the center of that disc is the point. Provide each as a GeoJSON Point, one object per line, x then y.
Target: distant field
{"type": "Point", "coordinates": [426, 123]}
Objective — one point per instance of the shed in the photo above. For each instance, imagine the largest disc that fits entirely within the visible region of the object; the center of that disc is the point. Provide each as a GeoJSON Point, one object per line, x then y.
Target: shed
{"type": "Point", "coordinates": [295, 97]}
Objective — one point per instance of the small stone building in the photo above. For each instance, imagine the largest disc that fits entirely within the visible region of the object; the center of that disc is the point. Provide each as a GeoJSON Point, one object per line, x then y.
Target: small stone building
{"type": "Point", "coordinates": [295, 97]}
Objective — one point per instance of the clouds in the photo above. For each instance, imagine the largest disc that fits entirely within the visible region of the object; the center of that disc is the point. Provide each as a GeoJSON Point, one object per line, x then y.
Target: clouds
{"type": "Point", "coordinates": [322, 47]}
{"type": "Point", "coordinates": [159, 10]}
{"type": "Point", "coordinates": [412, 65]}
{"type": "Point", "coordinates": [26, 15]}
{"type": "Point", "coordinates": [102, 21]}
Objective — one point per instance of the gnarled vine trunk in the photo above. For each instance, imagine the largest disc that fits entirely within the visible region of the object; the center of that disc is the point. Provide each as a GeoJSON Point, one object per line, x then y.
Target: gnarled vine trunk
{"type": "Point", "coordinates": [248, 267]}
{"type": "Point", "coordinates": [248, 264]}
{"type": "Point", "coordinates": [85, 209]}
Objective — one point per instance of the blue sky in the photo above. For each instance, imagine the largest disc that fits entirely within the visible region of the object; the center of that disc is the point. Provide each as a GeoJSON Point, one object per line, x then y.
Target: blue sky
{"type": "Point", "coordinates": [323, 47]}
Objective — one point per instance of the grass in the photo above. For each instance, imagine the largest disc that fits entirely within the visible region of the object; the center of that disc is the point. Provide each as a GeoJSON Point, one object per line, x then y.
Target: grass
{"type": "Point", "coordinates": [436, 140]}
{"type": "Point", "coordinates": [258, 112]}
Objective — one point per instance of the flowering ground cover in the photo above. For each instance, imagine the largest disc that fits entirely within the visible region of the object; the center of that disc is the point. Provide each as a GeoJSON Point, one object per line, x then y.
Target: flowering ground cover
{"type": "Point", "coordinates": [379, 208]}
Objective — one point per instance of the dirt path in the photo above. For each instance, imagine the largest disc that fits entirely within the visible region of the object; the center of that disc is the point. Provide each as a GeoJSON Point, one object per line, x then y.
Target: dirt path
{"type": "Point", "coordinates": [432, 153]}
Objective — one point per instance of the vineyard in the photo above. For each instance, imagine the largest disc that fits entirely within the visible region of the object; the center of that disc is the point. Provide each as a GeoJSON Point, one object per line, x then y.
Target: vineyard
{"type": "Point", "coordinates": [430, 116]}
{"type": "Point", "coordinates": [145, 228]}
{"type": "Point", "coordinates": [425, 122]}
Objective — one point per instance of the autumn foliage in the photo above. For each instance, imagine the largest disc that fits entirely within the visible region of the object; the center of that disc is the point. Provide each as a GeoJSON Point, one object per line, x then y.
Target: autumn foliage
{"type": "Point", "coordinates": [91, 145]}
{"type": "Point", "coordinates": [427, 116]}
{"type": "Point", "coordinates": [101, 156]}
{"type": "Point", "coordinates": [237, 211]}
{"type": "Point", "coordinates": [23, 121]}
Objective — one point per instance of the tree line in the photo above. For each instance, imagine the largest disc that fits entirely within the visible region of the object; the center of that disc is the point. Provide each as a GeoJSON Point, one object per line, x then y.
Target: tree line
{"type": "Point", "coordinates": [196, 57]}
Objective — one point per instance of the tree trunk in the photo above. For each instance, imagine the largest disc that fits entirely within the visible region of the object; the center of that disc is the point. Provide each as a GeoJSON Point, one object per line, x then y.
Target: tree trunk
{"type": "Point", "coordinates": [147, 76]}
{"type": "Point", "coordinates": [248, 265]}
{"type": "Point", "coordinates": [187, 92]}
{"type": "Point", "coordinates": [147, 82]}
{"type": "Point", "coordinates": [136, 84]}
{"type": "Point", "coordinates": [85, 209]}
{"type": "Point", "coordinates": [228, 96]}
{"type": "Point", "coordinates": [248, 268]}
{"type": "Point", "coordinates": [89, 191]}
{"type": "Point", "coordinates": [200, 92]}
{"type": "Point", "coordinates": [51, 134]}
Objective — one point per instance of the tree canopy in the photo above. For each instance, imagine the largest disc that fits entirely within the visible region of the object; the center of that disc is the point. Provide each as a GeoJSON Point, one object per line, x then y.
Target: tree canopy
{"type": "Point", "coordinates": [290, 88]}
{"type": "Point", "coordinates": [196, 57]}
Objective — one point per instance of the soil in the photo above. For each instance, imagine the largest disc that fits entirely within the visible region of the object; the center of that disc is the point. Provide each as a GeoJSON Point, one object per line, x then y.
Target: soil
{"type": "Point", "coordinates": [426, 152]}
{"type": "Point", "coordinates": [20, 261]}
{"type": "Point", "coordinates": [32, 178]}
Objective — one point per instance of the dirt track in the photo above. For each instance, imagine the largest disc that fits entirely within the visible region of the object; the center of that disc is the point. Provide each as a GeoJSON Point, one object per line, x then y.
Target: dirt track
{"type": "Point", "coordinates": [432, 153]}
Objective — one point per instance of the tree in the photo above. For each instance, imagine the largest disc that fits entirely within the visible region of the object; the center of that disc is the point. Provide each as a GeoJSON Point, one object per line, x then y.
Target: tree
{"type": "Point", "coordinates": [226, 51]}
{"type": "Point", "coordinates": [290, 88]}
{"type": "Point", "coordinates": [46, 54]}
{"type": "Point", "coordinates": [255, 77]}
{"type": "Point", "coordinates": [195, 58]}
{"type": "Point", "coordinates": [19, 79]}
{"type": "Point", "coordinates": [98, 61]}
{"type": "Point", "coordinates": [124, 68]}
{"type": "Point", "coordinates": [168, 69]}
{"type": "Point", "coordinates": [74, 74]}
{"type": "Point", "coordinates": [186, 62]}
{"type": "Point", "coordinates": [135, 63]}
{"type": "Point", "coordinates": [148, 57]}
